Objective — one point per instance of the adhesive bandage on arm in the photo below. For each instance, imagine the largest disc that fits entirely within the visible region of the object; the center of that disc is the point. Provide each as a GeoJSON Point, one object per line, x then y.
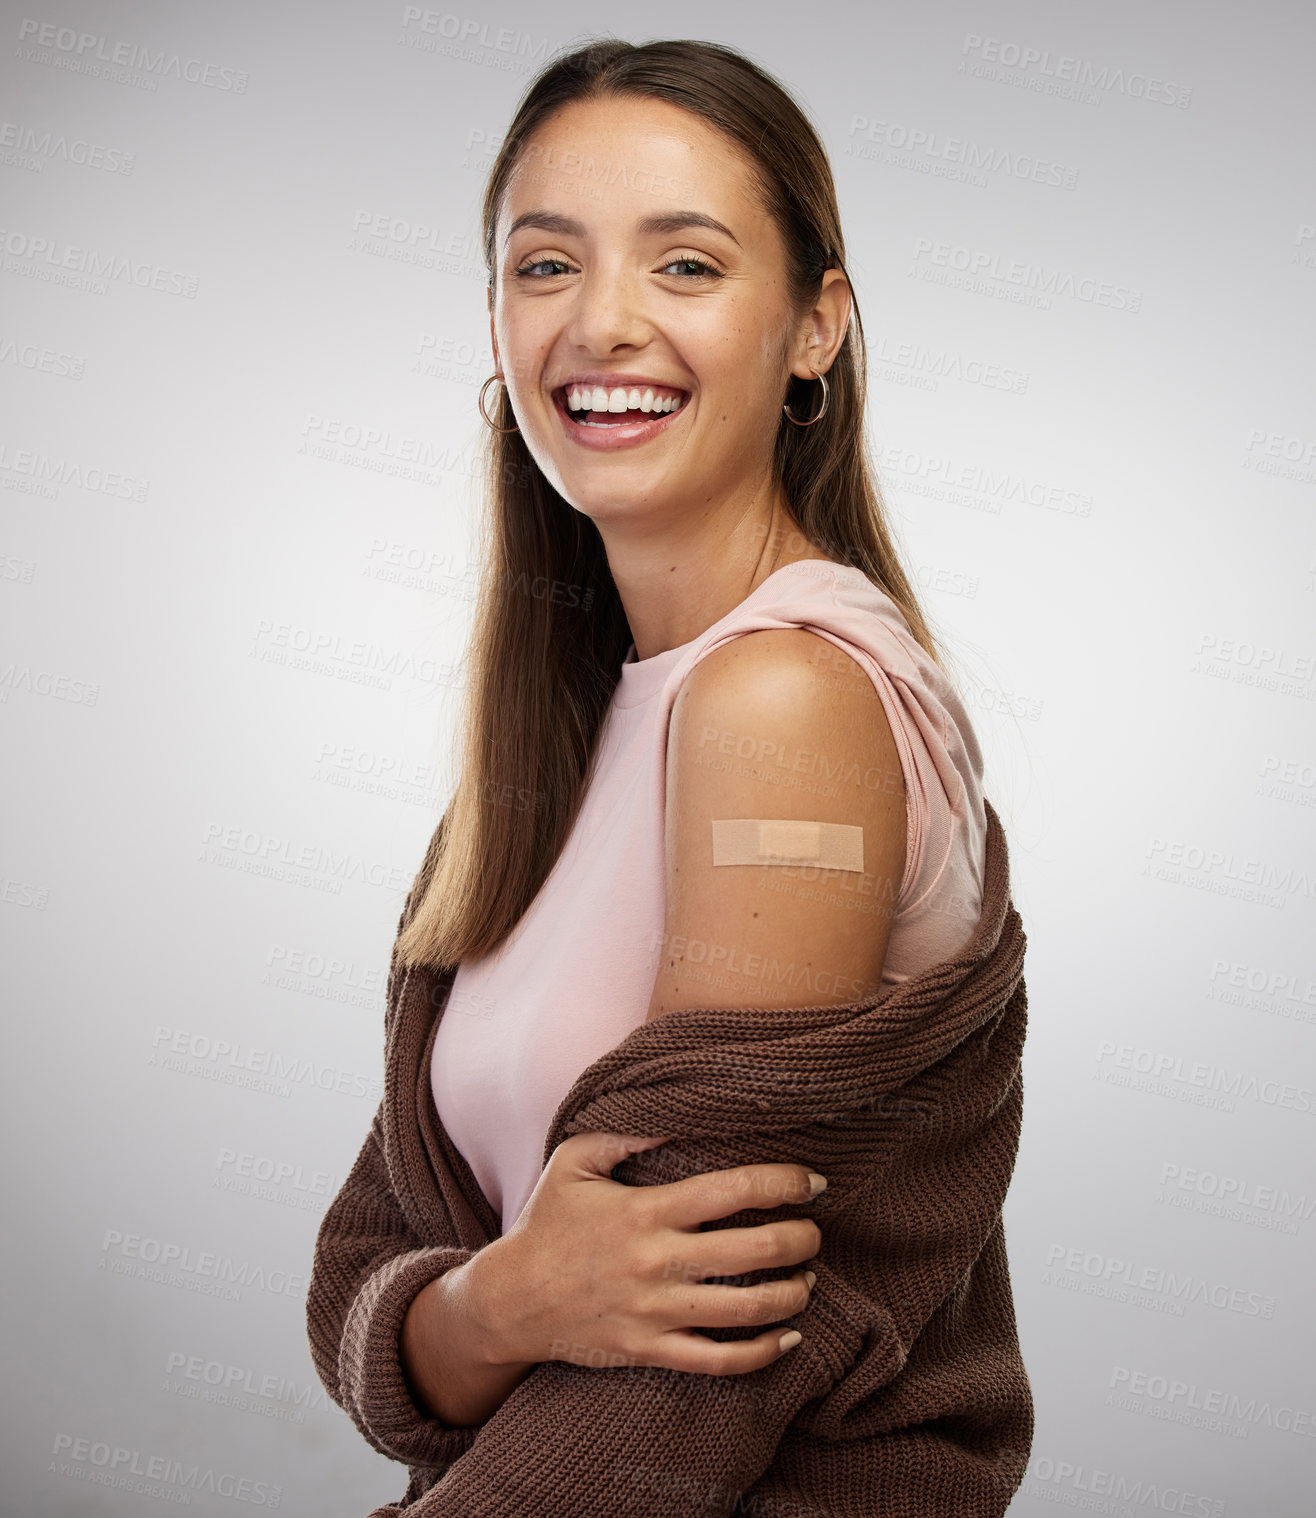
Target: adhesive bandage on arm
{"type": "Point", "coordinates": [780, 840]}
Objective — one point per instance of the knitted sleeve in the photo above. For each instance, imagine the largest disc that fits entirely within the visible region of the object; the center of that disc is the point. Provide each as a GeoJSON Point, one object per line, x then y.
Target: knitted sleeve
{"type": "Point", "coordinates": [366, 1270]}
{"type": "Point", "coordinates": [578, 1438]}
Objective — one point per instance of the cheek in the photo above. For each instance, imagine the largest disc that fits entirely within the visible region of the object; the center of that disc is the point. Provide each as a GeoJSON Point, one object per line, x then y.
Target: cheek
{"type": "Point", "coordinates": [523, 348]}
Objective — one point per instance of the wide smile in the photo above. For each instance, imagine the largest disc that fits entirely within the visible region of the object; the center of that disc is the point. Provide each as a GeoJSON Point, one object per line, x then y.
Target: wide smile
{"type": "Point", "coordinates": [605, 431]}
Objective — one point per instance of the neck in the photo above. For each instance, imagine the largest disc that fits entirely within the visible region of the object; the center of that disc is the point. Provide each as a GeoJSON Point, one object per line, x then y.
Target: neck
{"type": "Point", "coordinates": [676, 581]}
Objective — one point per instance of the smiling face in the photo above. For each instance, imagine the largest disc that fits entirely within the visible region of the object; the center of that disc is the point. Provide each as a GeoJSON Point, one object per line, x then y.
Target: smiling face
{"type": "Point", "coordinates": [614, 296]}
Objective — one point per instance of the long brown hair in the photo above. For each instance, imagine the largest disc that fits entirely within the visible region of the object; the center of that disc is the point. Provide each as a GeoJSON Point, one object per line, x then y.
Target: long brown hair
{"type": "Point", "coordinates": [550, 631]}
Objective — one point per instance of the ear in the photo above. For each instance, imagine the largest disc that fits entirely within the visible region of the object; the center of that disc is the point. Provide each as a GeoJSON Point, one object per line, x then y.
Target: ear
{"type": "Point", "coordinates": [823, 329]}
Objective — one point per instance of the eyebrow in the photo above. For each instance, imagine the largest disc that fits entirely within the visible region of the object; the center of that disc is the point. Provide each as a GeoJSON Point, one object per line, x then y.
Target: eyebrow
{"type": "Point", "coordinates": [670, 221]}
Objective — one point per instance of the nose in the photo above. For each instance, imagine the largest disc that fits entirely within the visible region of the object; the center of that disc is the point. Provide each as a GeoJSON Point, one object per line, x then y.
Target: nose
{"type": "Point", "coordinates": [608, 312]}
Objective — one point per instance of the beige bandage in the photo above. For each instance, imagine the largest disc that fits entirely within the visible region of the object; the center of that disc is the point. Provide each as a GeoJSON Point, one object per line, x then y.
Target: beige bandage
{"type": "Point", "coordinates": [779, 840]}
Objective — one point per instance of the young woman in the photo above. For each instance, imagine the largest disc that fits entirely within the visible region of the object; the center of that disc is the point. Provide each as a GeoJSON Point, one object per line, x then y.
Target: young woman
{"type": "Point", "coordinates": [711, 759]}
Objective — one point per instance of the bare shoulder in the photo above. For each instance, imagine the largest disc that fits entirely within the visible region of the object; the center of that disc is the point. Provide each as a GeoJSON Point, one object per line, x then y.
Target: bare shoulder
{"type": "Point", "coordinates": [790, 668]}
{"type": "Point", "coordinates": [778, 724]}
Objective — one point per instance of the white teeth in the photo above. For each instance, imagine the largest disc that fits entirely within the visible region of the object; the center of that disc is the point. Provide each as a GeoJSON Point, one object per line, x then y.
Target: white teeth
{"type": "Point", "coordinates": [596, 398]}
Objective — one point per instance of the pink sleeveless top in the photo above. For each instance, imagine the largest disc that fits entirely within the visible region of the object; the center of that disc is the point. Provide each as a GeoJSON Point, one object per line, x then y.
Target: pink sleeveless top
{"type": "Point", "coordinates": [521, 1024]}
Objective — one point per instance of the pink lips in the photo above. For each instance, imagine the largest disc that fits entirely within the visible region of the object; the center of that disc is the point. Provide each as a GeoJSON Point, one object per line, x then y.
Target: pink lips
{"type": "Point", "coordinates": [608, 438]}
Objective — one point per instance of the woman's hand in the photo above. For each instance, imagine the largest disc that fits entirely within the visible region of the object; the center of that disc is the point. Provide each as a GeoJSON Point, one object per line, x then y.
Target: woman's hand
{"type": "Point", "coordinates": [601, 1273]}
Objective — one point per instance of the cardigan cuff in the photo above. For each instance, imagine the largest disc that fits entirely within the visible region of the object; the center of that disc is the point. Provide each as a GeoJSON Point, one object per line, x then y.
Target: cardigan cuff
{"type": "Point", "coordinates": [374, 1385]}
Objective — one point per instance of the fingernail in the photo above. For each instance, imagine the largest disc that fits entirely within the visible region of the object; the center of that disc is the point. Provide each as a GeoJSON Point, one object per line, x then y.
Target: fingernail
{"type": "Point", "coordinates": [817, 1183]}
{"type": "Point", "coordinates": [810, 1278]}
{"type": "Point", "coordinates": [790, 1340]}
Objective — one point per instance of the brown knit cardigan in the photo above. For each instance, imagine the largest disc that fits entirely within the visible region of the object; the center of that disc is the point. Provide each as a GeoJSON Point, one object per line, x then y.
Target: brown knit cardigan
{"type": "Point", "coordinates": [908, 1395]}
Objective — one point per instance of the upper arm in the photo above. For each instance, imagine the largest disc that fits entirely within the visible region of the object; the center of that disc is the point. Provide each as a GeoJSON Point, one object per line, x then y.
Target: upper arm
{"type": "Point", "coordinates": [778, 723]}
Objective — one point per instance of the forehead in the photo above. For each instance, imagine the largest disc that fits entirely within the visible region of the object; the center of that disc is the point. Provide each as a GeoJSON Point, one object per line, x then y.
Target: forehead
{"type": "Point", "coordinates": [614, 161]}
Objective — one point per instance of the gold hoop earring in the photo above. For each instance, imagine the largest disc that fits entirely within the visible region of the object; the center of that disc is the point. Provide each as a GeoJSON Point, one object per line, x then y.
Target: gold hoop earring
{"type": "Point", "coordinates": [483, 413]}
{"type": "Point", "coordinates": [821, 408]}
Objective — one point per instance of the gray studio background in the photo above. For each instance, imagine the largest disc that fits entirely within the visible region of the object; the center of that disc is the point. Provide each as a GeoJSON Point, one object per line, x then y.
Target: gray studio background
{"type": "Point", "coordinates": [243, 333]}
